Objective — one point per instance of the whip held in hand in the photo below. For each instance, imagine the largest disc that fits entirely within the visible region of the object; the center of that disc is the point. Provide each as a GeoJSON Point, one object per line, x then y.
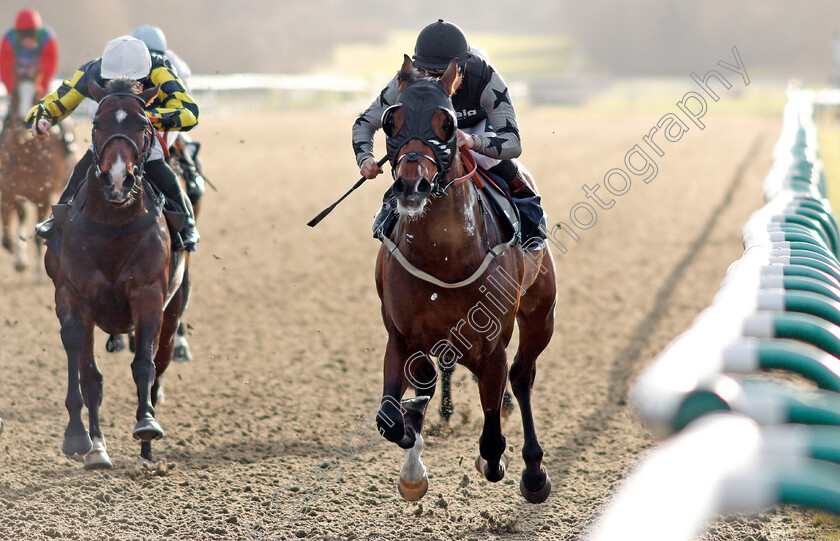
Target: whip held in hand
{"type": "Point", "coordinates": [323, 214]}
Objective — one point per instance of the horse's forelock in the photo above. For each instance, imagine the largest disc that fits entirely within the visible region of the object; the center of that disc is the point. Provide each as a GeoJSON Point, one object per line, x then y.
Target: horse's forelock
{"type": "Point", "coordinates": [123, 85]}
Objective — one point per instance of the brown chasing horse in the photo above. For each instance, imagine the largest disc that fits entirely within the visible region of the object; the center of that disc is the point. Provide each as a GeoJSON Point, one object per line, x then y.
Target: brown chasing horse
{"type": "Point", "coordinates": [116, 270]}
{"type": "Point", "coordinates": [452, 284]}
{"type": "Point", "coordinates": [29, 168]}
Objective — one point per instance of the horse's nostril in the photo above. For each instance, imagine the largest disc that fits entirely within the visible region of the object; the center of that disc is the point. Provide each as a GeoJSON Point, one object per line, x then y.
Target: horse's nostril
{"type": "Point", "coordinates": [400, 186]}
{"type": "Point", "coordinates": [424, 187]}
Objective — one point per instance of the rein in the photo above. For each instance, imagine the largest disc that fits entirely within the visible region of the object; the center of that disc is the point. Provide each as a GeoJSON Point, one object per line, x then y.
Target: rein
{"type": "Point", "coordinates": [492, 253]}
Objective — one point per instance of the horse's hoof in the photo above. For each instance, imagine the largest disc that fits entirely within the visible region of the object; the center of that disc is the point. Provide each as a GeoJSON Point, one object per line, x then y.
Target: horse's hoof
{"type": "Point", "coordinates": [115, 343]}
{"type": "Point", "coordinates": [147, 430]}
{"type": "Point", "coordinates": [181, 353]}
{"type": "Point", "coordinates": [412, 491]}
{"type": "Point", "coordinates": [76, 444]}
{"type": "Point", "coordinates": [493, 477]}
{"type": "Point", "coordinates": [537, 496]}
{"type": "Point", "coordinates": [1, 427]}
{"type": "Point", "coordinates": [97, 458]}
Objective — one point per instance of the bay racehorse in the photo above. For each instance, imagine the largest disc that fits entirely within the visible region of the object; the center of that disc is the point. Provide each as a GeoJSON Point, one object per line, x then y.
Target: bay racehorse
{"type": "Point", "coordinates": [116, 270]}
{"type": "Point", "coordinates": [29, 168]}
{"type": "Point", "coordinates": [181, 352]}
{"type": "Point", "coordinates": [452, 283]}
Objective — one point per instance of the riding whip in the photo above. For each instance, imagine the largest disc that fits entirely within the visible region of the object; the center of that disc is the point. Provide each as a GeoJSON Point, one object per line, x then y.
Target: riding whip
{"type": "Point", "coordinates": [323, 214]}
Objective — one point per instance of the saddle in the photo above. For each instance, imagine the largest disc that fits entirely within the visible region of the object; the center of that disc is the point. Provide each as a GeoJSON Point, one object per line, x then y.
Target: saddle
{"type": "Point", "coordinates": [175, 220]}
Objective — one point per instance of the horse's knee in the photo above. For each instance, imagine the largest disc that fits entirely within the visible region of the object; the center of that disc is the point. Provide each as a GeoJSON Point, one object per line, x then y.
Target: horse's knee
{"type": "Point", "coordinates": [390, 420]}
{"type": "Point", "coordinates": [72, 335]}
{"type": "Point", "coordinates": [492, 447]}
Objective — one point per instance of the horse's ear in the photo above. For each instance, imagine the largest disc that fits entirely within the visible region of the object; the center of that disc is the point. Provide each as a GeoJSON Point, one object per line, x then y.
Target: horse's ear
{"type": "Point", "coordinates": [149, 95]}
{"type": "Point", "coordinates": [405, 71]}
{"type": "Point", "coordinates": [451, 78]}
{"type": "Point", "coordinates": [96, 91]}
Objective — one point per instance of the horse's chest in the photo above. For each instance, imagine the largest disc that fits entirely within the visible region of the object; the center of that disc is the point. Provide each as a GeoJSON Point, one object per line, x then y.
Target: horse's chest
{"type": "Point", "coordinates": [438, 318]}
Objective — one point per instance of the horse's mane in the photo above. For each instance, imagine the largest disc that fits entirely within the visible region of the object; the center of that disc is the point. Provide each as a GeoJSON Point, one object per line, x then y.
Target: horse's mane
{"type": "Point", "coordinates": [124, 85]}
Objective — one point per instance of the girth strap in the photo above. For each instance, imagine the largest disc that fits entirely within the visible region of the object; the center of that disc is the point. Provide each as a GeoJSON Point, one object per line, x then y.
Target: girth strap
{"type": "Point", "coordinates": [425, 276]}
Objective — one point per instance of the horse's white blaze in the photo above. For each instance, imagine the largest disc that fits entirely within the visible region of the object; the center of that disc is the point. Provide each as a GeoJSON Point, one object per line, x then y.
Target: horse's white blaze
{"type": "Point", "coordinates": [26, 97]}
{"type": "Point", "coordinates": [120, 114]}
{"type": "Point", "coordinates": [118, 173]}
{"type": "Point", "coordinates": [413, 469]}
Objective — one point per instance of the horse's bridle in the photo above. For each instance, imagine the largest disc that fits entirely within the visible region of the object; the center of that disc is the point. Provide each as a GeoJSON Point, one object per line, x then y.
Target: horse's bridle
{"type": "Point", "coordinates": [148, 135]}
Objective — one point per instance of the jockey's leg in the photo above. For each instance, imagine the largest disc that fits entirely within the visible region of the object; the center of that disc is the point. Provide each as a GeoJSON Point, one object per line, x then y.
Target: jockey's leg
{"type": "Point", "coordinates": [383, 222]}
{"type": "Point", "coordinates": [159, 172]}
{"type": "Point", "coordinates": [531, 212]}
{"type": "Point", "coordinates": [45, 229]}
{"type": "Point", "coordinates": [192, 173]}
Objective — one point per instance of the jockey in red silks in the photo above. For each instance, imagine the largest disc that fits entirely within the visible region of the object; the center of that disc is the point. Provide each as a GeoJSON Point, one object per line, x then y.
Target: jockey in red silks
{"type": "Point", "coordinates": [29, 46]}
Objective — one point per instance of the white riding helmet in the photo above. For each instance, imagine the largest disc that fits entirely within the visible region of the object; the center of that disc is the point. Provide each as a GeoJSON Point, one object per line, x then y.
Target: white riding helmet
{"type": "Point", "coordinates": [152, 36]}
{"type": "Point", "coordinates": [127, 57]}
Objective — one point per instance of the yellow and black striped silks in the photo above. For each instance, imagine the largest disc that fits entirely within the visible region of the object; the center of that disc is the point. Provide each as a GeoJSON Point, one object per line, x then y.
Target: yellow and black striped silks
{"type": "Point", "coordinates": [173, 109]}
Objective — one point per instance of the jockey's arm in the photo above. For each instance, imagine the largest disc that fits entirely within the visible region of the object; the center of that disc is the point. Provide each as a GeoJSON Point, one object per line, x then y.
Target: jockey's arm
{"type": "Point", "coordinates": [504, 143]}
{"type": "Point", "coordinates": [366, 125]}
{"type": "Point", "coordinates": [177, 110]}
{"type": "Point", "coordinates": [60, 103]}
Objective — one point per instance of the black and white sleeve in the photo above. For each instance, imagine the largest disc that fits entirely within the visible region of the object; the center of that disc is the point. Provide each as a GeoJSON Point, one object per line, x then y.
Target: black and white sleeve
{"type": "Point", "coordinates": [371, 120]}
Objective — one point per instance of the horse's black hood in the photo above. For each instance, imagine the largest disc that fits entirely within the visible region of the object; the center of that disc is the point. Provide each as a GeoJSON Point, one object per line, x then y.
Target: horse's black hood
{"type": "Point", "coordinates": [420, 99]}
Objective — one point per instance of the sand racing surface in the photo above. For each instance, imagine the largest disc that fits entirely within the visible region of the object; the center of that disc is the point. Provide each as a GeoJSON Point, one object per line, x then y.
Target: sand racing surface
{"type": "Point", "coordinates": [288, 343]}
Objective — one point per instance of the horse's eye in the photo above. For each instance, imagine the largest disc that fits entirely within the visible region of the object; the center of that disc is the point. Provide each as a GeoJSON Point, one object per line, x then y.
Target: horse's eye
{"type": "Point", "coordinates": [448, 127]}
{"type": "Point", "coordinates": [388, 125]}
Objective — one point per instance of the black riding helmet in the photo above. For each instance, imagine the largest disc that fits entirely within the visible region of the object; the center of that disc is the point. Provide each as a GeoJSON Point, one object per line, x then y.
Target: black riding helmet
{"type": "Point", "coordinates": [438, 44]}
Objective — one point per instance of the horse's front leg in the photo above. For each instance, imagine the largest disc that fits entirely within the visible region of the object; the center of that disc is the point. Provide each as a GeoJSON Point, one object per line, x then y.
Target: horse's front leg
{"type": "Point", "coordinates": [147, 307]}
{"type": "Point", "coordinates": [401, 421]}
{"type": "Point", "coordinates": [91, 382]}
{"type": "Point", "coordinates": [76, 336]}
{"type": "Point", "coordinates": [492, 379]}
{"type": "Point", "coordinates": [169, 328]}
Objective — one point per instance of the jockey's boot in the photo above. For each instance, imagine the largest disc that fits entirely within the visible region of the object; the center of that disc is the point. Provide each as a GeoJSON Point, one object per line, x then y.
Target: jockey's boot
{"type": "Point", "coordinates": [164, 178]}
{"type": "Point", "coordinates": [522, 195]}
{"type": "Point", "coordinates": [46, 229]}
{"type": "Point", "coordinates": [386, 218]}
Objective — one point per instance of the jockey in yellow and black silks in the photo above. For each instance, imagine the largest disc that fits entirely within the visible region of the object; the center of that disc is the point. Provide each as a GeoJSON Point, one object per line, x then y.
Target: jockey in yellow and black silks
{"type": "Point", "coordinates": [172, 110]}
